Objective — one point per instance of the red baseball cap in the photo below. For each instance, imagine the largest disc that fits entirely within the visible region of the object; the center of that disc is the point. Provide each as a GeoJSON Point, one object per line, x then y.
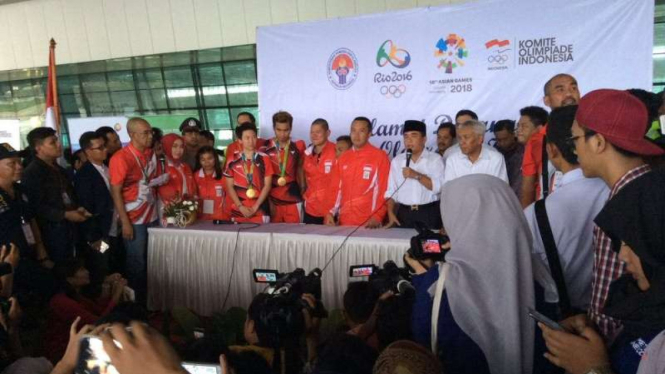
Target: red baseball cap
{"type": "Point", "coordinates": [620, 117]}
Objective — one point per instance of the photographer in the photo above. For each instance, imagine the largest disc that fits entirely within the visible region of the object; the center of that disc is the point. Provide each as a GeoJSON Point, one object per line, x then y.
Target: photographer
{"type": "Point", "coordinates": [483, 289]}
{"type": "Point", "coordinates": [275, 323]}
{"type": "Point", "coordinates": [69, 304]}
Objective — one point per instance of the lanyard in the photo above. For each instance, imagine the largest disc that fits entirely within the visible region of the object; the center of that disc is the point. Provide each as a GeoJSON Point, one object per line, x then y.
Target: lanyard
{"type": "Point", "coordinates": [249, 174]}
{"type": "Point", "coordinates": [143, 170]}
{"type": "Point", "coordinates": [282, 164]}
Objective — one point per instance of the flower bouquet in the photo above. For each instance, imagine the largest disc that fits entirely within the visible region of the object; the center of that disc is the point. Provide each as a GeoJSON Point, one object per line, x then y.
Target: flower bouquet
{"type": "Point", "coordinates": [181, 211]}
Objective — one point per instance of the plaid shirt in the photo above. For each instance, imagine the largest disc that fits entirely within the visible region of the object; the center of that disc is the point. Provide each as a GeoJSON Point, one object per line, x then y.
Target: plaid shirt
{"type": "Point", "coordinates": [607, 266]}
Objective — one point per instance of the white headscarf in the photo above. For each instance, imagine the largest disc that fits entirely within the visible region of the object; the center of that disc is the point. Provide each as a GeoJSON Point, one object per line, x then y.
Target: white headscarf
{"type": "Point", "coordinates": [490, 282]}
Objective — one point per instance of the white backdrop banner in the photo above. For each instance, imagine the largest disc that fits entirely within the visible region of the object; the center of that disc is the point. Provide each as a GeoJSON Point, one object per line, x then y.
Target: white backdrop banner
{"type": "Point", "coordinates": [10, 132]}
{"type": "Point", "coordinates": [77, 126]}
{"type": "Point", "coordinates": [427, 63]}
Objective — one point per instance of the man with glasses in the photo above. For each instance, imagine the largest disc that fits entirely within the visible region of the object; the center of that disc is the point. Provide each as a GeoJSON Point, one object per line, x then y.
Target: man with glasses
{"type": "Point", "coordinates": [93, 189]}
{"type": "Point", "coordinates": [608, 138]}
{"type": "Point", "coordinates": [570, 211]}
{"type": "Point", "coordinates": [134, 175]}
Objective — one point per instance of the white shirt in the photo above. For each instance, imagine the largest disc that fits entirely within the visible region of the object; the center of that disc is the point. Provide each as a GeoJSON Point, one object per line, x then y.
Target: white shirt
{"type": "Point", "coordinates": [489, 162]}
{"type": "Point", "coordinates": [413, 192]}
{"type": "Point", "coordinates": [571, 209]}
{"type": "Point", "coordinates": [452, 149]}
{"type": "Point", "coordinates": [104, 172]}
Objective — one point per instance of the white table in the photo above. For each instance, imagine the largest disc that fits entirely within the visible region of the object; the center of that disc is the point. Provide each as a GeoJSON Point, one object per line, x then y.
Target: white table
{"type": "Point", "coordinates": [191, 267]}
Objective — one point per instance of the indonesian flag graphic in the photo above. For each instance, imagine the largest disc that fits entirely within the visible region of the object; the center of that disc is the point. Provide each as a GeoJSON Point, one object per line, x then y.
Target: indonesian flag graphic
{"type": "Point", "coordinates": [52, 107]}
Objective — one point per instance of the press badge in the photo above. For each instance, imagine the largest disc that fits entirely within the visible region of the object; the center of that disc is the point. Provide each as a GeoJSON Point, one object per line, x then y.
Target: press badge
{"type": "Point", "coordinates": [208, 206]}
{"type": "Point", "coordinates": [367, 171]}
{"type": "Point", "coordinates": [328, 167]}
{"type": "Point", "coordinates": [27, 232]}
{"type": "Point", "coordinates": [65, 199]}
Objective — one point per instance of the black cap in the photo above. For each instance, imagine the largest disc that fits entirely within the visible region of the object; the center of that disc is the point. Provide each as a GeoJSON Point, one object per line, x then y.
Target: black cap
{"type": "Point", "coordinates": [411, 125]}
{"type": "Point", "coordinates": [190, 124]}
{"type": "Point", "coordinates": [7, 151]}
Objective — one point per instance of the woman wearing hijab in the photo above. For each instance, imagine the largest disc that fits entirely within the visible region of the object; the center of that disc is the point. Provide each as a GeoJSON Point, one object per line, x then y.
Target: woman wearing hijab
{"type": "Point", "coordinates": [635, 217]}
{"type": "Point", "coordinates": [485, 285]}
{"type": "Point", "coordinates": [181, 180]}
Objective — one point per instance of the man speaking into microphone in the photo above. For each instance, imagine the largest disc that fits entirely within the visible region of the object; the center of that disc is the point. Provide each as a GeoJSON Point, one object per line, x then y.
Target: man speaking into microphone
{"type": "Point", "coordinates": [421, 171]}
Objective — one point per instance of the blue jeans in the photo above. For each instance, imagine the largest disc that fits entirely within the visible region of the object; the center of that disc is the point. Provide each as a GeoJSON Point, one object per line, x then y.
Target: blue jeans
{"type": "Point", "coordinates": [136, 262]}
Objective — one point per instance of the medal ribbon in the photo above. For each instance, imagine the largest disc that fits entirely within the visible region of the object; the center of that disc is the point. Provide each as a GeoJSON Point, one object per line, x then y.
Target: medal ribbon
{"type": "Point", "coordinates": [249, 174]}
{"type": "Point", "coordinates": [282, 164]}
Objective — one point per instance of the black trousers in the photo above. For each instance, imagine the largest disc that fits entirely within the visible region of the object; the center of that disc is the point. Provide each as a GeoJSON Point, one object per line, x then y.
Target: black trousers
{"type": "Point", "coordinates": [428, 214]}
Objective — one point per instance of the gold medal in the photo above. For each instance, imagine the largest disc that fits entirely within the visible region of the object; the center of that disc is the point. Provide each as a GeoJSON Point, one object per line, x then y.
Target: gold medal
{"type": "Point", "coordinates": [281, 181]}
{"type": "Point", "coordinates": [251, 193]}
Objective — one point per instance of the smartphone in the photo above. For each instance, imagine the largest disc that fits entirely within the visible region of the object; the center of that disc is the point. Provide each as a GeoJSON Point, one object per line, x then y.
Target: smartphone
{"type": "Point", "coordinates": [546, 321]}
{"type": "Point", "coordinates": [361, 270]}
{"type": "Point", "coordinates": [93, 357]}
{"type": "Point", "coordinates": [265, 275]}
{"type": "Point", "coordinates": [199, 368]}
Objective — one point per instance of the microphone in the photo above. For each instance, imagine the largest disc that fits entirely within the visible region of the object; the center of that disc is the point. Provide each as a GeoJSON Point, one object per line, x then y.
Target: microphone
{"type": "Point", "coordinates": [409, 152]}
{"type": "Point", "coordinates": [162, 161]}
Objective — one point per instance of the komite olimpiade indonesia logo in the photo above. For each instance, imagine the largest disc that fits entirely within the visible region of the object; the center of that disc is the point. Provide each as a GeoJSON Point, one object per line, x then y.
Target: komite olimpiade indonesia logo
{"type": "Point", "coordinates": [451, 52]}
{"type": "Point", "coordinates": [389, 53]}
{"type": "Point", "coordinates": [342, 68]}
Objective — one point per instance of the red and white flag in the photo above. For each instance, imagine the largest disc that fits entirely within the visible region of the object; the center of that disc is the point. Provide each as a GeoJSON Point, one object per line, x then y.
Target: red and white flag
{"type": "Point", "coordinates": [52, 107]}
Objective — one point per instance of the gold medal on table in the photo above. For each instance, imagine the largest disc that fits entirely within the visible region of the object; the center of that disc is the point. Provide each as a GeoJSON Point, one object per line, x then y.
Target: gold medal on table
{"type": "Point", "coordinates": [251, 193]}
{"type": "Point", "coordinates": [281, 181]}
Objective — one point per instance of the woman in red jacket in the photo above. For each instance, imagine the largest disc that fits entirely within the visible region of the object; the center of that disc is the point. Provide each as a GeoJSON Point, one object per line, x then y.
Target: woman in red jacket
{"type": "Point", "coordinates": [211, 185]}
{"type": "Point", "coordinates": [181, 180]}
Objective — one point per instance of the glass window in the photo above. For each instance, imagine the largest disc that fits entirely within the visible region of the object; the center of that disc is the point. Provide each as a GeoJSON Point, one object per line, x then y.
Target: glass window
{"type": "Point", "coordinates": [218, 119]}
{"type": "Point", "coordinates": [23, 89]}
{"type": "Point", "coordinates": [243, 94]}
{"type": "Point", "coordinates": [182, 98]}
{"type": "Point", "coordinates": [251, 109]}
{"type": "Point", "coordinates": [99, 103]}
{"type": "Point", "coordinates": [214, 96]}
{"type": "Point", "coordinates": [69, 85]}
{"type": "Point", "coordinates": [124, 102]}
{"type": "Point", "coordinates": [121, 81]}
{"type": "Point", "coordinates": [28, 106]}
{"type": "Point", "coordinates": [71, 104]}
{"type": "Point", "coordinates": [94, 82]}
{"type": "Point", "coordinates": [178, 77]}
{"type": "Point", "coordinates": [153, 99]}
{"type": "Point", "coordinates": [6, 101]}
{"type": "Point", "coordinates": [243, 52]}
{"type": "Point", "coordinates": [240, 72]}
{"type": "Point", "coordinates": [151, 78]}
{"type": "Point", "coordinates": [211, 75]}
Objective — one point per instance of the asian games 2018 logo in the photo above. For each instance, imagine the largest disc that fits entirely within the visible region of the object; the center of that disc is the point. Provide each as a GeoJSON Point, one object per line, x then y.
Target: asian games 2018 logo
{"type": "Point", "coordinates": [342, 68]}
{"type": "Point", "coordinates": [451, 52]}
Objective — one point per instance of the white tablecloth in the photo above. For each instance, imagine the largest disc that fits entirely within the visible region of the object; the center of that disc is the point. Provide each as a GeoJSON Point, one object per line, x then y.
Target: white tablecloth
{"type": "Point", "coordinates": [191, 267]}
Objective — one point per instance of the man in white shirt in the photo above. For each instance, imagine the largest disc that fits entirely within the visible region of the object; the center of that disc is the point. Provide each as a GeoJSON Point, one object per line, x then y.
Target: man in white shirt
{"type": "Point", "coordinates": [420, 175]}
{"type": "Point", "coordinates": [571, 209]}
{"type": "Point", "coordinates": [475, 157]}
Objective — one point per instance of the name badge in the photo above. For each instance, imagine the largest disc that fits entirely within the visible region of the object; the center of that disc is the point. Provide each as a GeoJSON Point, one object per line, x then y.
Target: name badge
{"type": "Point", "coordinates": [208, 206]}
{"type": "Point", "coordinates": [328, 167]}
{"type": "Point", "coordinates": [218, 191]}
{"type": "Point", "coordinates": [27, 232]}
{"type": "Point", "coordinates": [65, 199]}
{"type": "Point", "coordinates": [367, 171]}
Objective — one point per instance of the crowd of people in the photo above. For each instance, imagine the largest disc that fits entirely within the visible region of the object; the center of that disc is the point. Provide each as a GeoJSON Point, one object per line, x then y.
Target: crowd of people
{"type": "Point", "coordinates": [562, 213]}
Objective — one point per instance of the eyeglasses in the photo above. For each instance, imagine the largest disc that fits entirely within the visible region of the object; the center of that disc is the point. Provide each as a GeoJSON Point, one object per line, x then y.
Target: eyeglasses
{"type": "Point", "coordinates": [572, 141]}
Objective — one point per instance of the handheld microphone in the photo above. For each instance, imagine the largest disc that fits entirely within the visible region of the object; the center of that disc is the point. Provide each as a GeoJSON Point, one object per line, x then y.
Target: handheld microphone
{"type": "Point", "coordinates": [162, 162]}
{"type": "Point", "coordinates": [409, 152]}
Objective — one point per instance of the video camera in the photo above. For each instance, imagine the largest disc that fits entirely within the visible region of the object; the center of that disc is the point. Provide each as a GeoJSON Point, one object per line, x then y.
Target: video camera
{"type": "Point", "coordinates": [292, 286]}
{"type": "Point", "coordinates": [428, 244]}
{"type": "Point", "coordinates": [391, 278]}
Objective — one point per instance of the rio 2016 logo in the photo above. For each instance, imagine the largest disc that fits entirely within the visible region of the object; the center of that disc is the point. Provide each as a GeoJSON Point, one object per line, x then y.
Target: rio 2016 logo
{"type": "Point", "coordinates": [388, 53]}
{"type": "Point", "coordinates": [342, 68]}
{"type": "Point", "coordinates": [451, 52]}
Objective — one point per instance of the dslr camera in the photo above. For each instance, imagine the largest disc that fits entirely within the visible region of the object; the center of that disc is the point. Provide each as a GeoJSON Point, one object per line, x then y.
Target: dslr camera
{"type": "Point", "coordinates": [391, 278]}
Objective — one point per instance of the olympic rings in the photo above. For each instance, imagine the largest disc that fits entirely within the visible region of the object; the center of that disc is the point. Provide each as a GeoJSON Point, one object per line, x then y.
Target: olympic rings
{"type": "Point", "coordinates": [394, 91]}
{"type": "Point", "coordinates": [498, 59]}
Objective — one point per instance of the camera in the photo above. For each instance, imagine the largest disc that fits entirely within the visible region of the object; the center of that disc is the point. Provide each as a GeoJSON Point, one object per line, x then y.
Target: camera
{"type": "Point", "coordinates": [292, 286]}
{"type": "Point", "coordinates": [428, 244]}
{"type": "Point", "coordinates": [391, 278]}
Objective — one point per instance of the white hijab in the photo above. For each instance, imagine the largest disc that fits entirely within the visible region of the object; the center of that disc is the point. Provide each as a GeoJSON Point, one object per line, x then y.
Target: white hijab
{"type": "Point", "coordinates": [490, 280]}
